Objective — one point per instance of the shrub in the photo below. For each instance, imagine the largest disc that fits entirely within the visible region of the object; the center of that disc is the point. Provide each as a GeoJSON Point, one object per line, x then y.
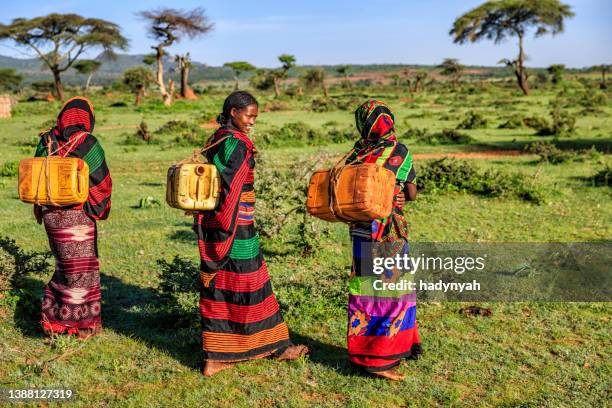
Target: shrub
{"type": "Point", "coordinates": [562, 123]}
{"type": "Point", "coordinates": [186, 133]}
{"type": "Point", "coordinates": [335, 135]}
{"type": "Point", "coordinates": [513, 122]}
{"type": "Point", "coordinates": [275, 106]}
{"type": "Point", "coordinates": [537, 123]}
{"type": "Point", "coordinates": [141, 136]}
{"type": "Point", "coordinates": [179, 283]}
{"type": "Point", "coordinates": [9, 169]}
{"type": "Point", "coordinates": [176, 126]}
{"type": "Point", "coordinates": [16, 264]}
{"type": "Point", "coordinates": [456, 175]}
{"type": "Point", "coordinates": [603, 177]}
{"type": "Point", "coordinates": [549, 153]}
{"type": "Point", "coordinates": [473, 120]}
{"type": "Point", "coordinates": [415, 133]}
{"type": "Point", "coordinates": [446, 136]}
{"type": "Point", "coordinates": [322, 105]}
{"type": "Point", "coordinates": [292, 134]}
{"type": "Point", "coordinates": [178, 276]}
{"type": "Point", "coordinates": [281, 197]}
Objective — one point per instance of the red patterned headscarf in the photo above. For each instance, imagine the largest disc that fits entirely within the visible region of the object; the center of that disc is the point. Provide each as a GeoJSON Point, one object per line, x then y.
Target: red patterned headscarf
{"type": "Point", "coordinates": [374, 121]}
{"type": "Point", "coordinates": [77, 115]}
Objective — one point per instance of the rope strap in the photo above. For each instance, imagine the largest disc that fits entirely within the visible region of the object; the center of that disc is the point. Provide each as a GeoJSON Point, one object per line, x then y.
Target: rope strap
{"type": "Point", "coordinates": [47, 165]}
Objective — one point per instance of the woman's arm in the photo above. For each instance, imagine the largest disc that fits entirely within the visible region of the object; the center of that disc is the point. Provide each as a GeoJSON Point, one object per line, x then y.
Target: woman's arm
{"type": "Point", "coordinates": [410, 190]}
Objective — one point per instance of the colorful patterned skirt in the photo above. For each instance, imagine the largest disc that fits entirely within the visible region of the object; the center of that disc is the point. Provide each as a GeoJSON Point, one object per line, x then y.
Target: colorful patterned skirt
{"type": "Point", "coordinates": [241, 319]}
{"type": "Point", "coordinates": [382, 327]}
{"type": "Point", "coordinates": [71, 300]}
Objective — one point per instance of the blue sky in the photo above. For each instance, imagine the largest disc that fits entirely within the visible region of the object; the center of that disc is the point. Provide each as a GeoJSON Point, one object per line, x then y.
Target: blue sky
{"type": "Point", "coordinates": [339, 31]}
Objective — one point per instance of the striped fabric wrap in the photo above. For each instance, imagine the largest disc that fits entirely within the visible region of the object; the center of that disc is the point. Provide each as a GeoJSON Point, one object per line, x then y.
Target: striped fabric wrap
{"type": "Point", "coordinates": [241, 318]}
{"type": "Point", "coordinates": [71, 300]}
{"type": "Point", "coordinates": [382, 326]}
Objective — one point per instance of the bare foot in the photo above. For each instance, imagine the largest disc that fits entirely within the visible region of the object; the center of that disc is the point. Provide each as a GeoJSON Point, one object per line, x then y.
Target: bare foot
{"type": "Point", "coordinates": [293, 352]}
{"type": "Point", "coordinates": [84, 334]}
{"type": "Point", "coordinates": [213, 367]}
{"type": "Point", "coordinates": [392, 375]}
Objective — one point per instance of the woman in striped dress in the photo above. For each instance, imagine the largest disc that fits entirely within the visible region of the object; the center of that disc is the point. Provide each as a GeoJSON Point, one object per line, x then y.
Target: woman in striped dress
{"type": "Point", "coordinates": [71, 300]}
{"type": "Point", "coordinates": [241, 319]}
{"type": "Point", "coordinates": [382, 328]}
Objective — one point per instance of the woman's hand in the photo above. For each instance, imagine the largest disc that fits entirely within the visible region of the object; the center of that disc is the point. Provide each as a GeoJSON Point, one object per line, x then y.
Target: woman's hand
{"type": "Point", "coordinates": [400, 199]}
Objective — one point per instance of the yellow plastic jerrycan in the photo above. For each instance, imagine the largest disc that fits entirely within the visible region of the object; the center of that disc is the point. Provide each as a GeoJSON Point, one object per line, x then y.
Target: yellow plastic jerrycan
{"type": "Point", "coordinates": [193, 185]}
{"type": "Point", "coordinates": [53, 181]}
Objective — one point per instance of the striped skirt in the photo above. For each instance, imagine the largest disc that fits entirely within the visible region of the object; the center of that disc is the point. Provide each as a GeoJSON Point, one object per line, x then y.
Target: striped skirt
{"type": "Point", "coordinates": [71, 300]}
{"type": "Point", "coordinates": [241, 319]}
{"type": "Point", "coordinates": [382, 326]}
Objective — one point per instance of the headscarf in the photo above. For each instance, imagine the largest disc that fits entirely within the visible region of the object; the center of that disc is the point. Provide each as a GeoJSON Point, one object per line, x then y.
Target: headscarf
{"type": "Point", "coordinates": [77, 115]}
{"type": "Point", "coordinates": [374, 121]}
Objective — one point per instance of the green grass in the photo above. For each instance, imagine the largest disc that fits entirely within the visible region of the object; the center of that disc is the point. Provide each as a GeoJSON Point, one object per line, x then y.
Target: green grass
{"type": "Point", "coordinates": [526, 354]}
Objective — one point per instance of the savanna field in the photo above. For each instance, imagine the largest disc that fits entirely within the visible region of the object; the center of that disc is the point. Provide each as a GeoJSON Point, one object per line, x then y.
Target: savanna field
{"type": "Point", "coordinates": [519, 169]}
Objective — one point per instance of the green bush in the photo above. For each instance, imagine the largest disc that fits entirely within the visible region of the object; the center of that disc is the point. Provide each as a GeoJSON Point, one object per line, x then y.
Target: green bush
{"type": "Point", "coordinates": [562, 123]}
{"type": "Point", "coordinates": [322, 105]}
{"type": "Point", "coordinates": [513, 122]}
{"type": "Point", "coordinates": [185, 133]}
{"type": "Point", "coordinates": [473, 120]}
{"type": "Point", "coordinates": [415, 133]}
{"type": "Point", "coordinates": [549, 153]}
{"type": "Point", "coordinates": [142, 136]}
{"type": "Point", "coordinates": [281, 196]}
{"type": "Point", "coordinates": [176, 126]}
{"type": "Point", "coordinates": [602, 178]}
{"type": "Point", "coordinates": [456, 175]}
{"type": "Point", "coordinates": [179, 284]}
{"type": "Point", "coordinates": [9, 169]}
{"type": "Point", "coordinates": [446, 136]}
{"type": "Point", "coordinates": [537, 123]}
{"type": "Point", "coordinates": [336, 135]}
{"type": "Point", "coordinates": [16, 264]}
{"type": "Point", "coordinates": [178, 276]}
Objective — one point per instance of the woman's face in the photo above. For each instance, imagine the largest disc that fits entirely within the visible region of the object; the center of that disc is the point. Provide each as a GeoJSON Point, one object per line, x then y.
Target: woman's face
{"type": "Point", "coordinates": [244, 119]}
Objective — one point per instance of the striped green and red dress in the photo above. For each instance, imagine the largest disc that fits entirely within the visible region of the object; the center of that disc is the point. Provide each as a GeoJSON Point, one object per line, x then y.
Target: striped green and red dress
{"type": "Point", "coordinates": [72, 298]}
{"type": "Point", "coordinates": [382, 326]}
{"type": "Point", "coordinates": [241, 319]}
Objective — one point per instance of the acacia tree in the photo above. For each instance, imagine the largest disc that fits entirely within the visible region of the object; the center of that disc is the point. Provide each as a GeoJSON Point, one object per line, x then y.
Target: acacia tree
{"type": "Point", "coordinates": [344, 71]}
{"type": "Point", "coordinates": [184, 65]}
{"type": "Point", "coordinates": [167, 26]}
{"type": "Point", "coordinates": [137, 79]}
{"type": "Point", "coordinates": [498, 19]}
{"type": "Point", "coordinates": [238, 67]}
{"type": "Point", "coordinates": [60, 39]}
{"type": "Point", "coordinates": [288, 62]}
{"type": "Point", "coordinates": [451, 68]}
{"type": "Point", "coordinates": [89, 68]}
